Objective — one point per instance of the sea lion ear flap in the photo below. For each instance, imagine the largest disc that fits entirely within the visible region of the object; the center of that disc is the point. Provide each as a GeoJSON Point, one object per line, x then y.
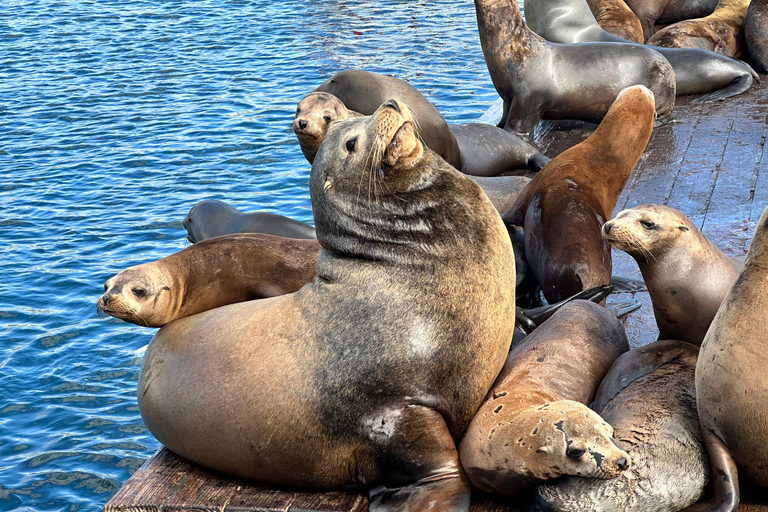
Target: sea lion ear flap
{"type": "Point", "coordinates": [682, 228]}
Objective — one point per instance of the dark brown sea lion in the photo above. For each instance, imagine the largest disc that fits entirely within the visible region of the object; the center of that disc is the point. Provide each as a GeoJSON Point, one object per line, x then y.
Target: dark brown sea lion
{"type": "Point", "coordinates": [649, 398]}
{"type": "Point", "coordinates": [696, 71]}
{"type": "Point", "coordinates": [721, 32]}
{"type": "Point", "coordinates": [537, 79]}
{"type": "Point", "coordinates": [563, 208]}
{"type": "Point", "coordinates": [212, 217]}
{"type": "Point", "coordinates": [686, 275]}
{"type": "Point", "coordinates": [616, 17]}
{"type": "Point", "coordinates": [650, 12]}
{"type": "Point", "coordinates": [756, 34]}
{"type": "Point", "coordinates": [534, 424]}
{"type": "Point", "coordinates": [731, 386]}
{"type": "Point", "coordinates": [212, 273]}
{"type": "Point", "coordinates": [368, 376]}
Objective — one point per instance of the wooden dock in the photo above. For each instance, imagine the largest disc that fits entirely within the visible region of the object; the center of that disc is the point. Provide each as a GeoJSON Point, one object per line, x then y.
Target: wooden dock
{"type": "Point", "coordinates": [709, 163]}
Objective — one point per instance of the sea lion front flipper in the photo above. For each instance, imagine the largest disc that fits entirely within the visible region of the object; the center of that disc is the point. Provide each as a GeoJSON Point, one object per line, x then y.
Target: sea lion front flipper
{"type": "Point", "coordinates": [420, 450]}
{"type": "Point", "coordinates": [724, 477]}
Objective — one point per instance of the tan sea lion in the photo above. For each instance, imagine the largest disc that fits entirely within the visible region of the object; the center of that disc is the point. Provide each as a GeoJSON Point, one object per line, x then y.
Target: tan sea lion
{"type": "Point", "coordinates": [368, 376]}
{"type": "Point", "coordinates": [314, 113]}
{"type": "Point", "coordinates": [731, 387]}
{"type": "Point", "coordinates": [563, 208]}
{"type": "Point", "coordinates": [212, 273]}
{"type": "Point", "coordinates": [534, 424]}
{"type": "Point", "coordinates": [616, 17]}
{"type": "Point", "coordinates": [756, 34]}
{"type": "Point", "coordinates": [650, 12]}
{"type": "Point", "coordinates": [649, 398]}
{"type": "Point", "coordinates": [537, 79]}
{"type": "Point", "coordinates": [686, 275]}
{"type": "Point", "coordinates": [721, 32]}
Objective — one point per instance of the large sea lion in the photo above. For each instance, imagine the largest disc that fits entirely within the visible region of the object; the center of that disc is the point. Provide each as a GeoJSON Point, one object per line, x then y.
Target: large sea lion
{"type": "Point", "coordinates": [212, 273]}
{"type": "Point", "coordinates": [616, 17]}
{"type": "Point", "coordinates": [697, 71]}
{"type": "Point", "coordinates": [649, 398]}
{"type": "Point", "coordinates": [368, 376]}
{"type": "Point", "coordinates": [756, 34]}
{"type": "Point", "coordinates": [650, 12]}
{"type": "Point", "coordinates": [687, 275]}
{"type": "Point", "coordinates": [537, 79]}
{"type": "Point", "coordinates": [534, 424]}
{"type": "Point", "coordinates": [731, 387]}
{"type": "Point", "coordinates": [211, 217]}
{"type": "Point", "coordinates": [722, 31]}
{"type": "Point", "coordinates": [563, 208]}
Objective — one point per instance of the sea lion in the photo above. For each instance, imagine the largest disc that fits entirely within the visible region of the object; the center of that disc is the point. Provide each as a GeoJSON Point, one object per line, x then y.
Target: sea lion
{"type": "Point", "coordinates": [616, 17]}
{"type": "Point", "coordinates": [212, 273]}
{"type": "Point", "coordinates": [650, 12]}
{"type": "Point", "coordinates": [363, 92]}
{"type": "Point", "coordinates": [649, 398]}
{"type": "Point", "coordinates": [697, 71]}
{"type": "Point", "coordinates": [686, 275]}
{"type": "Point", "coordinates": [314, 113]}
{"type": "Point", "coordinates": [756, 34]}
{"type": "Point", "coordinates": [211, 217]}
{"type": "Point", "coordinates": [721, 32]}
{"type": "Point", "coordinates": [379, 364]}
{"type": "Point", "coordinates": [534, 424]}
{"type": "Point", "coordinates": [563, 208]}
{"type": "Point", "coordinates": [537, 79]}
{"type": "Point", "coordinates": [503, 191]}
{"type": "Point", "coordinates": [731, 389]}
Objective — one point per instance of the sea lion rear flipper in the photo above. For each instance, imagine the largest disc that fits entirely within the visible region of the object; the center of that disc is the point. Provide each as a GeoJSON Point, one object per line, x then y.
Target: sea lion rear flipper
{"type": "Point", "coordinates": [724, 477]}
{"type": "Point", "coordinates": [626, 284]}
{"type": "Point", "coordinates": [738, 86]}
{"type": "Point", "coordinates": [538, 315]}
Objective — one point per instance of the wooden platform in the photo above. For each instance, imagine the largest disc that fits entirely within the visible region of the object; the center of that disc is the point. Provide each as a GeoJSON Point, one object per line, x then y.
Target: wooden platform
{"type": "Point", "coordinates": [709, 163]}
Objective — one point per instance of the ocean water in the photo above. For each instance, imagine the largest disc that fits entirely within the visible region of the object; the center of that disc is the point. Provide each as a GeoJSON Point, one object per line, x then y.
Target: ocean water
{"type": "Point", "coordinates": [116, 116]}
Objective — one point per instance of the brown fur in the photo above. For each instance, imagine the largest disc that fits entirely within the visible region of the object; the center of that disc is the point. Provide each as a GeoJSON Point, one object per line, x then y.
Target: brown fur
{"type": "Point", "coordinates": [617, 18]}
{"type": "Point", "coordinates": [650, 12]}
{"type": "Point", "coordinates": [314, 113]}
{"type": "Point", "coordinates": [756, 34]}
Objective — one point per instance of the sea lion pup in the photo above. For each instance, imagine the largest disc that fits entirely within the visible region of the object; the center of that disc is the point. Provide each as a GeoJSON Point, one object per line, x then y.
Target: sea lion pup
{"type": "Point", "coordinates": [363, 92]}
{"type": "Point", "coordinates": [730, 380]}
{"type": "Point", "coordinates": [537, 79]}
{"type": "Point", "coordinates": [379, 364]}
{"type": "Point", "coordinates": [534, 424]}
{"type": "Point", "coordinates": [649, 398]}
{"type": "Point", "coordinates": [563, 208]}
{"type": "Point", "coordinates": [697, 71]}
{"type": "Point", "coordinates": [722, 31]}
{"type": "Point", "coordinates": [756, 34]}
{"type": "Point", "coordinates": [211, 217]}
{"type": "Point", "coordinates": [686, 275]}
{"type": "Point", "coordinates": [616, 17]}
{"type": "Point", "coordinates": [314, 113]}
{"type": "Point", "coordinates": [212, 273]}
{"type": "Point", "coordinates": [650, 12]}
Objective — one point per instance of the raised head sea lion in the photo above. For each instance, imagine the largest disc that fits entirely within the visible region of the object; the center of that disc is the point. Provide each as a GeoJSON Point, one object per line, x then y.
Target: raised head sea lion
{"type": "Point", "coordinates": [697, 71]}
{"type": "Point", "coordinates": [537, 79]}
{"type": "Point", "coordinates": [534, 424]}
{"type": "Point", "coordinates": [649, 398]}
{"type": "Point", "coordinates": [314, 113]}
{"type": "Point", "coordinates": [756, 34]}
{"type": "Point", "coordinates": [650, 12]}
{"type": "Point", "coordinates": [721, 32]}
{"type": "Point", "coordinates": [563, 208]}
{"type": "Point", "coordinates": [686, 275]}
{"type": "Point", "coordinates": [731, 387]}
{"type": "Point", "coordinates": [212, 273]}
{"type": "Point", "coordinates": [212, 217]}
{"type": "Point", "coordinates": [369, 375]}
{"type": "Point", "coordinates": [616, 17]}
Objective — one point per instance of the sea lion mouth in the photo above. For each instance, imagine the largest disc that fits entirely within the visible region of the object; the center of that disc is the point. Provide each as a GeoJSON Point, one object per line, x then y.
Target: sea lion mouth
{"type": "Point", "coordinates": [394, 149]}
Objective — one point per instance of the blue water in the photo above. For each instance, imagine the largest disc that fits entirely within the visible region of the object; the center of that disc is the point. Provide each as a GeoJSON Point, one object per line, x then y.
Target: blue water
{"type": "Point", "coordinates": [116, 116]}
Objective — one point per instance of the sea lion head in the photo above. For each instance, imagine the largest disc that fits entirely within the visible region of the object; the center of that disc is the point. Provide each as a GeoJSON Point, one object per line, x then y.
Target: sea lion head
{"type": "Point", "coordinates": [648, 230]}
{"type": "Point", "coordinates": [141, 294]}
{"type": "Point", "coordinates": [314, 113]}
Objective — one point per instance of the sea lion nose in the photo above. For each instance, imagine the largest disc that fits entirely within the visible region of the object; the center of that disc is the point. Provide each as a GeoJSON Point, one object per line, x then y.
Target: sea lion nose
{"type": "Point", "coordinates": [392, 103]}
{"type": "Point", "coordinates": [607, 227]}
{"type": "Point", "coordinates": [622, 463]}
{"type": "Point", "coordinates": [302, 124]}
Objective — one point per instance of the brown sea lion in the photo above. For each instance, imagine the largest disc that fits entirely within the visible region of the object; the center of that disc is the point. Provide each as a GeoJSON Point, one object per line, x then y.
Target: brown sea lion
{"type": "Point", "coordinates": [686, 275]}
{"type": "Point", "coordinates": [731, 386]}
{"type": "Point", "coordinates": [650, 12]}
{"type": "Point", "coordinates": [563, 208]}
{"type": "Point", "coordinates": [756, 34]}
{"type": "Point", "coordinates": [534, 424]}
{"type": "Point", "coordinates": [721, 32]}
{"type": "Point", "coordinates": [369, 375]}
{"type": "Point", "coordinates": [537, 79]}
{"type": "Point", "coordinates": [212, 273]}
{"type": "Point", "coordinates": [616, 17]}
{"type": "Point", "coordinates": [649, 398]}
{"type": "Point", "coordinates": [314, 113]}
{"type": "Point", "coordinates": [211, 217]}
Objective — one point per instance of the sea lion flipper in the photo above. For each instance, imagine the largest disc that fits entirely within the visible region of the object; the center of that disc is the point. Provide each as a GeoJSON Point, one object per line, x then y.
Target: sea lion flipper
{"type": "Point", "coordinates": [739, 85]}
{"type": "Point", "coordinates": [724, 477]}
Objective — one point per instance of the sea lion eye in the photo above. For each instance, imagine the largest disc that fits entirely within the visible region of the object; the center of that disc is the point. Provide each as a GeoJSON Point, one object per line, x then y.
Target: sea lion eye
{"type": "Point", "coordinates": [351, 145]}
{"type": "Point", "coordinates": [327, 119]}
{"type": "Point", "coordinates": [106, 287]}
{"type": "Point", "coordinates": [139, 292]}
{"type": "Point", "coordinates": [647, 224]}
{"type": "Point", "coordinates": [574, 453]}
